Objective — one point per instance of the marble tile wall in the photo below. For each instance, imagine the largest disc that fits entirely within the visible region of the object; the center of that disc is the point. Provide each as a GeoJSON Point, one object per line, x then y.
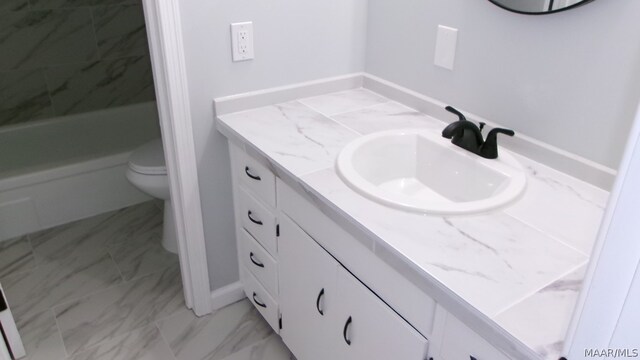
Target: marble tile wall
{"type": "Point", "coordinates": [61, 57]}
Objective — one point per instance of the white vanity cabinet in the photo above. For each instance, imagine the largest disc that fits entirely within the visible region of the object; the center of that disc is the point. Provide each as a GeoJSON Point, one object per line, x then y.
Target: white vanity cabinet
{"type": "Point", "coordinates": [254, 196]}
{"type": "Point", "coordinates": [328, 314]}
{"type": "Point", "coordinates": [326, 293]}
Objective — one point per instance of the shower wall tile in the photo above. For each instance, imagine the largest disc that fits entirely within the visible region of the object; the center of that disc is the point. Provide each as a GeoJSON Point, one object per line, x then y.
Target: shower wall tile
{"type": "Point", "coordinates": [100, 85]}
{"type": "Point", "coordinates": [23, 97]}
{"type": "Point", "coordinates": [58, 4]}
{"type": "Point", "coordinates": [13, 5]}
{"type": "Point", "coordinates": [34, 39]}
{"type": "Point", "coordinates": [120, 31]}
{"type": "Point", "coordinates": [115, 2]}
{"type": "Point", "coordinates": [60, 57]}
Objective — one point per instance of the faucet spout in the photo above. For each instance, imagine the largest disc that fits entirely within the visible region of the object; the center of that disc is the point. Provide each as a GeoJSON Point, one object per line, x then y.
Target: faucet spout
{"type": "Point", "coordinates": [463, 132]}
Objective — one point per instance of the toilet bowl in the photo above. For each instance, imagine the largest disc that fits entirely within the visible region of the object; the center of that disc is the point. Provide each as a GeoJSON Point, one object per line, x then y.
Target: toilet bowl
{"type": "Point", "coordinates": [148, 172]}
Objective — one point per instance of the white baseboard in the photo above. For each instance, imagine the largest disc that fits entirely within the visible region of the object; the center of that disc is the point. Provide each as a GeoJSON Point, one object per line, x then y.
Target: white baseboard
{"type": "Point", "coordinates": [227, 295]}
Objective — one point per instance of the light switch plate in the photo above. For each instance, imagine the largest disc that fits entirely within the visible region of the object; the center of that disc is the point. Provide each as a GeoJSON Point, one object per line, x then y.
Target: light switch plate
{"type": "Point", "coordinates": [446, 42]}
{"type": "Point", "coordinates": [242, 41]}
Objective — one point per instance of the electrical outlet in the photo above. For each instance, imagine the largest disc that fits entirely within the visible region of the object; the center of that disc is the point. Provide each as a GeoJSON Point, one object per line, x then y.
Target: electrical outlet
{"type": "Point", "coordinates": [242, 41]}
{"type": "Point", "coordinates": [446, 42]}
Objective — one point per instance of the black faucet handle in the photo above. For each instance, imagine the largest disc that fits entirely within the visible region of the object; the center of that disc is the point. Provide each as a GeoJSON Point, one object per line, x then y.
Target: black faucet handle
{"type": "Point", "coordinates": [451, 109]}
{"type": "Point", "coordinates": [496, 131]}
{"type": "Point", "coordinates": [489, 149]}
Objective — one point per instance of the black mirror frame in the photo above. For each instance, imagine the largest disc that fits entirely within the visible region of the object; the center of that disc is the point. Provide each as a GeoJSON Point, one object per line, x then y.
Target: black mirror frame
{"type": "Point", "coordinates": [583, 2]}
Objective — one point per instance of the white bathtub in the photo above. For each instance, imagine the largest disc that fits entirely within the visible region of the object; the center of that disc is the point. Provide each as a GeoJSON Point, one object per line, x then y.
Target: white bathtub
{"type": "Point", "coordinates": [64, 169]}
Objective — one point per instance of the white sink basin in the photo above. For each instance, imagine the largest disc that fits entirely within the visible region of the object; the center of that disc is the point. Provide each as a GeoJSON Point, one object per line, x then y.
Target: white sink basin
{"type": "Point", "coordinates": [417, 170]}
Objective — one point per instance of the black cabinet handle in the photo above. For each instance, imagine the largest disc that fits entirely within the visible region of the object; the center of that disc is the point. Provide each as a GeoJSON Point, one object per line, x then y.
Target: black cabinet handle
{"type": "Point", "coordinates": [254, 261]}
{"type": "Point", "coordinates": [344, 331]}
{"type": "Point", "coordinates": [472, 357]}
{"type": "Point", "coordinates": [249, 174]}
{"type": "Point", "coordinates": [258, 222]}
{"type": "Point", "coordinates": [258, 302]}
{"type": "Point", "coordinates": [318, 302]}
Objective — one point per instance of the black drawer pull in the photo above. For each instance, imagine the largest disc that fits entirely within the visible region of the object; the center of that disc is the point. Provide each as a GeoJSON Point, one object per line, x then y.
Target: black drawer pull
{"type": "Point", "coordinates": [258, 222]}
{"type": "Point", "coordinates": [318, 302]}
{"type": "Point", "coordinates": [254, 261]}
{"type": "Point", "coordinates": [344, 331]}
{"type": "Point", "coordinates": [258, 302]}
{"type": "Point", "coordinates": [249, 174]}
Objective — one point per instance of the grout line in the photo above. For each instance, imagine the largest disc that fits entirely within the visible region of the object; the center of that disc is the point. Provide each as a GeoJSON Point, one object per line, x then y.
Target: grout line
{"type": "Point", "coordinates": [360, 108]}
{"type": "Point", "coordinates": [55, 319]}
{"type": "Point", "coordinates": [553, 237]}
{"type": "Point", "coordinates": [329, 118]}
{"type": "Point", "coordinates": [48, 87]}
{"type": "Point", "coordinates": [163, 339]}
{"type": "Point", "coordinates": [116, 265]}
{"type": "Point", "coordinates": [33, 252]}
{"type": "Point", "coordinates": [537, 290]}
{"type": "Point", "coordinates": [95, 33]}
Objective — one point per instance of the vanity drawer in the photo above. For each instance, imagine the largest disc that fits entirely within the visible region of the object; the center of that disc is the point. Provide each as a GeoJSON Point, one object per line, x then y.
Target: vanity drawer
{"type": "Point", "coordinates": [257, 178]}
{"type": "Point", "coordinates": [259, 262]}
{"type": "Point", "coordinates": [460, 342]}
{"type": "Point", "coordinates": [260, 298]}
{"type": "Point", "coordinates": [257, 220]}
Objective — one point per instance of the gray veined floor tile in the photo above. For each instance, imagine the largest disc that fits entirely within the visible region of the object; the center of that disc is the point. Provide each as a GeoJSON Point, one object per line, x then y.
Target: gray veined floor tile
{"type": "Point", "coordinates": [40, 336]}
{"type": "Point", "coordinates": [142, 256]}
{"type": "Point", "coordinates": [216, 336]}
{"type": "Point", "coordinates": [54, 283]}
{"type": "Point", "coordinates": [83, 240]}
{"type": "Point", "coordinates": [16, 256]}
{"type": "Point", "coordinates": [271, 348]}
{"type": "Point", "coordinates": [87, 239]}
{"type": "Point", "coordinates": [107, 314]}
{"type": "Point", "coordinates": [141, 344]}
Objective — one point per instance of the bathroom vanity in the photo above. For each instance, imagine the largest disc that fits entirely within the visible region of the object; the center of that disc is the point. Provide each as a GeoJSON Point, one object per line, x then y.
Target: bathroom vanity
{"type": "Point", "coordinates": [340, 276]}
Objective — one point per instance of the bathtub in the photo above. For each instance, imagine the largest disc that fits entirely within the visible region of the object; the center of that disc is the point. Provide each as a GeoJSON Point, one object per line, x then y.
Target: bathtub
{"type": "Point", "coordinates": [64, 169]}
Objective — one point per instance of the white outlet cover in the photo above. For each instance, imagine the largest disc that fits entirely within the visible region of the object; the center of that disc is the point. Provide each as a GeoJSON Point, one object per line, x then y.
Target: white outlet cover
{"type": "Point", "coordinates": [242, 41]}
{"type": "Point", "coordinates": [446, 42]}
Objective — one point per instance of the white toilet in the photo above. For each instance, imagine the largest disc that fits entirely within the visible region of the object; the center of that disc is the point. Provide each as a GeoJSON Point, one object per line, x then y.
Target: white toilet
{"type": "Point", "coordinates": [148, 172]}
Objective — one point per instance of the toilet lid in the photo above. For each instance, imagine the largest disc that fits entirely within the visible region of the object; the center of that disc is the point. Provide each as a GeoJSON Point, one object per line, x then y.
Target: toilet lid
{"type": "Point", "coordinates": [149, 159]}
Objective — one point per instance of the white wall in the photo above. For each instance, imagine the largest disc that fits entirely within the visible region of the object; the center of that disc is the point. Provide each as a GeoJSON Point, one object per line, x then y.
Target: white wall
{"type": "Point", "coordinates": [569, 79]}
{"type": "Point", "coordinates": [608, 309]}
{"type": "Point", "coordinates": [294, 41]}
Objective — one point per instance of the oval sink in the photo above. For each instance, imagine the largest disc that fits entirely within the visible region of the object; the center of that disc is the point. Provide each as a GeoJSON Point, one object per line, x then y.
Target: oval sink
{"type": "Point", "coordinates": [417, 170]}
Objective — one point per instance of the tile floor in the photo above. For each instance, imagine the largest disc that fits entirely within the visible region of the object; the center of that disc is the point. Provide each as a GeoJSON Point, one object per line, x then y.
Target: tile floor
{"type": "Point", "coordinates": [104, 288]}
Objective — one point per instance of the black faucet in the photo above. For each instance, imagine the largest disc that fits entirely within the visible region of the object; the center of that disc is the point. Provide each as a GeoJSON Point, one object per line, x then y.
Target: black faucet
{"type": "Point", "coordinates": [468, 136]}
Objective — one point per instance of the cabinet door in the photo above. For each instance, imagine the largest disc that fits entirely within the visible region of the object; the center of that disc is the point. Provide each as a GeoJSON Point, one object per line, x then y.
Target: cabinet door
{"type": "Point", "coordinates": [368, 329]}
{"type": "Point", "coordinates": [307, 293]}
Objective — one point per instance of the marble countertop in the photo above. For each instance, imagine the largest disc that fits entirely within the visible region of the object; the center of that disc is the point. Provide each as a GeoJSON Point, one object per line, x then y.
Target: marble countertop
{"type": "Point", "coordinates": [521, 266]}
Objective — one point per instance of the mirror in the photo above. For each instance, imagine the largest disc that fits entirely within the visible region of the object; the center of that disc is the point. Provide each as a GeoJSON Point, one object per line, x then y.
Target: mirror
{"type": "Point", "coordinates": [539, 7]}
